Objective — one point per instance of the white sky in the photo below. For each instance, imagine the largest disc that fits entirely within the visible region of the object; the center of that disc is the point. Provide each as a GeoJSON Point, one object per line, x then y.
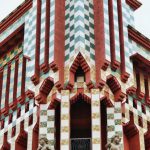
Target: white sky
{"type": "Point", "coordinates": [142, 15]}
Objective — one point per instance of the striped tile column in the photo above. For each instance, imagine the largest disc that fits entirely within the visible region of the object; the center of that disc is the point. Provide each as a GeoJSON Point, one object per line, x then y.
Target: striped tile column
{"type": "Point", "coordinates": [52, 30]}
{"type": "Point", "coordinates": [116, 30]}
{"type": "Point", "coordinates": [107, 32]}
{"type": "Point", "coordinates": [4, 87]}
{"type": "Point", "coordinates": [11, 81]}
{"type": "Point", "coordinates": [42, 36]}
{"type": "Point", "coordinates": [96, 123]}
{"type": "Point", "coordinates": [19, 76]}
{"type": "Point", "coordinates": [114, 122]}
{"type": "Point", "coordinates": [65, 120]}
{"type": "Point", "coordinates": [47, 122]}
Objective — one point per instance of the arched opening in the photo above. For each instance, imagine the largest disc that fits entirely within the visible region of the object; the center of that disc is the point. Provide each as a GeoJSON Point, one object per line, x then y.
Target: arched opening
{"type": "Point", "coordinates": [79, 70]}
{"type": "Point", "coordinates": [79, 75]}
{"type": "Point", "coordinates": [80, 124]}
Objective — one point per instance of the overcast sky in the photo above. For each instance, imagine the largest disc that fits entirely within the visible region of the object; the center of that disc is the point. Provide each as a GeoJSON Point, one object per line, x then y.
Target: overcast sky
{"type": "Point", "coordinates": [142, 15]}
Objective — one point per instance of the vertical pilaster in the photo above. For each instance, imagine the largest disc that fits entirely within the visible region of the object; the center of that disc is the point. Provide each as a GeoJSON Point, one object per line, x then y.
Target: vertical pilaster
{"type": "Point", "coordinates": [114, 122]}
{"type": "Point", "coordinates": [47, 128]}
{"type": "Point", "coordinates": [12, 141]}
{"type": "Point", "coordinates": [65, 120]}
{"type": "Point", "coordinates": [141, 140]}
{"type": "Point", "coordinates": [96, 123]}
{"type": "Point", "coordinates": [2, 140]}
{"type": "Point", "coordinates": [30, 132]}
{"type": "Point", "coordinates": [142, 83]}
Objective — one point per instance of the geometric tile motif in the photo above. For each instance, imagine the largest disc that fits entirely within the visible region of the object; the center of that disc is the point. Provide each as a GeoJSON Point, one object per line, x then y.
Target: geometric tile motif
{"type": "Point", "coordinates": [96, 122]}
{"type": "Point", "coordinates": [114, 122]}
{"type": "Point", "coordinates": [65, 123]}
{"type": "Point", "coordinates": [137, 112]}
{"type": "Point", "coordinates": [47, 122]}
{"type": "Point", "coordinates": [10, 55]}
{"type": "Point", "coordinates": [79, 29]}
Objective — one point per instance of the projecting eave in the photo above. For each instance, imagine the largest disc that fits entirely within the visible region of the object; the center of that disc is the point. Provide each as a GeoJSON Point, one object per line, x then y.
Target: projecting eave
{"type": "Point", "coordinates": [138, 37]}
{"type": "Point", "coordinates": [134, 4]}
{"type": "Point", "coordinates": [141, 62]}
{"type": "Point", "coordinates": [16, 14]}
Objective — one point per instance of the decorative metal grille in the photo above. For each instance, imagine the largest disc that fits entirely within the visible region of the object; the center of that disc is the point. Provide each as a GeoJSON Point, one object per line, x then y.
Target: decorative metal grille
{"type": "Point", "coordinates": [81, 144]}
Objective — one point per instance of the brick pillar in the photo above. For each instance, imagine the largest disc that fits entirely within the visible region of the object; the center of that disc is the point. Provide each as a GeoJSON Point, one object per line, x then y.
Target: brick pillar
{"type": "Point", "coordinates": [65, 120]}
{"type": "Point", "coordinates": [12, 141]}
{"type": "Point", "coordinates": [96, 124]}
{"type": "Point", "coordinates": [29, 128]}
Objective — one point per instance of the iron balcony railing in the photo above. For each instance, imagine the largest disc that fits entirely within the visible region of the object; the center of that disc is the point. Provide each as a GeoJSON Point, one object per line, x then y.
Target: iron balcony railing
{"type": "Point", "coordinates": [81, 144]}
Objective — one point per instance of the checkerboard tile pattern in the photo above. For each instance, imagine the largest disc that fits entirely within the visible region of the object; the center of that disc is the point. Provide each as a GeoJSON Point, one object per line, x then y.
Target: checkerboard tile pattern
{"type": "Point", "coordinates": [137, 112]}
{"type": "Point", "coordinates": [65, 123]}
{"type": "Point", "coordinates": [47, 122]}
{"type": "Point", "coordinates": [12, 76]}
{"type": "Point", "coordinates": [114, 122]}
{"type": "Point", "coordinates": [96, 123]}
{"type": "Point", "coordinates": [10, 55]}
{"type": "Point", "coordinates": [13, 27]}
{"type": "Point", "coordinates": [30, 34]}
{"type": "Point", "coordinates": [79, 33]}
{"type": "Point", "coordinates": [8, 127]}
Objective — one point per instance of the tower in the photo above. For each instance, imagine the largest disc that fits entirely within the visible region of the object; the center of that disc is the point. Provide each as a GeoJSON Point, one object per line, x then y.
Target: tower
{"type": "Point", "coordinates": [75, 72]}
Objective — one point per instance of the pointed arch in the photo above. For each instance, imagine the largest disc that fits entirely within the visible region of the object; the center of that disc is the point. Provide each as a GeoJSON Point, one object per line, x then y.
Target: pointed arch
{"type": "Point", "coordinates": [80, 96]}
{"type": "Point", "coordinates": [78, 62]}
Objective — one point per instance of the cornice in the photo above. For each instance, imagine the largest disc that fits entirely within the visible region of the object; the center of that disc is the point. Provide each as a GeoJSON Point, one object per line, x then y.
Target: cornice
{"type": "Point", "coordinates": [134, 4]}
{"type": "Point", "coordinates": [138, 37]}
{"type": "Point", "coordinates": [16, 14]}
{"type": "Point", "coordinates": [141, 62]}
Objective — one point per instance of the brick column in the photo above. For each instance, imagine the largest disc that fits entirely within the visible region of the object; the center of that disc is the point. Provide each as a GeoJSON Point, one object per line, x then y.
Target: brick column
{"type": "Point", "coordinates": [96, 124]}
{"type": "Point", "coordinates": [29, 128]}
{"type": "Point", "coordinates": [12, 141]}
{"type": "Point", "coordinates": [65, 120]}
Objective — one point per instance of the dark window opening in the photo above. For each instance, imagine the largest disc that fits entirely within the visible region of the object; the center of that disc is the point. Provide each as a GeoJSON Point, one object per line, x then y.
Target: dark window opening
{"type": "Point", "coordinates": [79, 75]}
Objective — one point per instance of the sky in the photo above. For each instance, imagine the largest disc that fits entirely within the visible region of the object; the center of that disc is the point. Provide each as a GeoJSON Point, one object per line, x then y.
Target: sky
{"type": "Point", "coordinates": [142, 15]}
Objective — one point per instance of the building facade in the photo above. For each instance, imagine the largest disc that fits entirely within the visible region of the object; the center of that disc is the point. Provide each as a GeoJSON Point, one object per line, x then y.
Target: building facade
{"type": "Point", "coordinates": [75, 72]}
